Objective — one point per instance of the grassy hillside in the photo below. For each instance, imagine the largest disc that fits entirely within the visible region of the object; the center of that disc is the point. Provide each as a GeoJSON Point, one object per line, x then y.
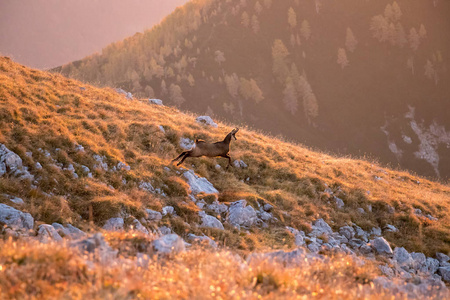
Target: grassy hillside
{"type": "Point", "coordinates": [49, 116]}
{"type": "Point", "coordinates": [338, 75]}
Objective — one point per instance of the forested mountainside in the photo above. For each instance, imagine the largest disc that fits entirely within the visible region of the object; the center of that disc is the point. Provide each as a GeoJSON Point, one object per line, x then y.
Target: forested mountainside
{"type": "Point", "coordinates": [350, 77]}
{"type": "Point", "coordinates": [47, 33]}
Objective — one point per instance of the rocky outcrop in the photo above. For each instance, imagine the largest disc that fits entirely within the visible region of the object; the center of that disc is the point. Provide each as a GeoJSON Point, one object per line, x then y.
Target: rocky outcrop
{"type": "Point", "coordinates": [11, 164]}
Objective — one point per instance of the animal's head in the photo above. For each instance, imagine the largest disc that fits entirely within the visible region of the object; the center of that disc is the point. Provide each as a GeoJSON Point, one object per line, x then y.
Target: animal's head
{"type": "Point", "coordinates": [233, 133]}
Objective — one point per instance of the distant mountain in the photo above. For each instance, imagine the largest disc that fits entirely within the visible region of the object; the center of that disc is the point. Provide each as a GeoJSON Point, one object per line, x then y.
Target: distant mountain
{"type": "Point", "coordinates": [351, 77]}
{"type": "Point", "coordinates": [47, 33]}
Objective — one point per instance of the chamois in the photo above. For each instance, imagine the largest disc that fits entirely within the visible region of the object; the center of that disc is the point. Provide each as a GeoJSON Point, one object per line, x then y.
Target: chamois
{"type": "Point", "coordinates": [202, 148]}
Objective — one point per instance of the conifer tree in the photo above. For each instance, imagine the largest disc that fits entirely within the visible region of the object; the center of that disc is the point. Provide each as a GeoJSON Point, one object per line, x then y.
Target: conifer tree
{"type": "Point", "coordinates": [350, 40]}
{"type": "Point", "coordinates": [342, 58]}
{"type": "Point", "coordinates": [292, 18]}
{"type": "Point", "coordinates": [305, 30]}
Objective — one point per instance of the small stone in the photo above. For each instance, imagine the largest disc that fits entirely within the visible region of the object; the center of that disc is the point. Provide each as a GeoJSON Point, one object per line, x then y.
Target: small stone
{"type": "Point", "coordinates": [390, 228]}
{"type": "Point", "coordinates": [123, 166]}
{"type": "Point", "coordinates": [153, 215]}
{"type": "Point", "coordinates": [17, 200]}
{"type": "Point", "coordinates": [320, 227]}
{"type": "Point", "coordinates": [239, 164]}
{"type": "Point", "coordinates": [361, 210]}
{"type": "Point", "coordinates": [139, 227]}
{"type": "Point", "coordinates": [267, 207]}
{"type": "Point", "coordinates": [339, 202]}
{"type": "Point", "coordinates": [161, 128]}
{"type": "Point", "coordinates": [168, 210]}
{"type": "Point", "coordinates": [38, 166]}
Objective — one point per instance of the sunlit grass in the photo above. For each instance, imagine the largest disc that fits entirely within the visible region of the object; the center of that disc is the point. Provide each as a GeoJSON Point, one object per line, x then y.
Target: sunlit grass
{"type": "Point", "coordinates": [54, 114]}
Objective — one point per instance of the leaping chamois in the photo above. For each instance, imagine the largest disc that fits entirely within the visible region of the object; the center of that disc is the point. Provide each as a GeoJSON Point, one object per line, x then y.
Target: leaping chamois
{"type": "Point", "coordinates": [202, 148]}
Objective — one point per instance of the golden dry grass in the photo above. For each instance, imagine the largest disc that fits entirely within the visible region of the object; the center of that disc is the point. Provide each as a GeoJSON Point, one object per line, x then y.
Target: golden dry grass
{"type": "Point", "coordinates": [31, 270]}
{"type": "Point", "coordinates": [48, 111]}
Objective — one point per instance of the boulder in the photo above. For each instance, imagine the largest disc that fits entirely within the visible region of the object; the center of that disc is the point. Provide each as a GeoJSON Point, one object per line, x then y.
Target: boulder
{"type": "Point", "coordinates": [139, 227]}
{"type": "Point", "coordinates": [210, 221]}
{"type": "Point", "coordinates": [153, 215]}
{"type": "Point", "coordinates": [68, 231]}
{"type": "Point", "coordinates": [114, 224]}
{"type": "Point", "coordinates": [241, 215]}
{"type": "Point", "coordinates": [96, 245]}
{"type": "Point", "coordinates": [402, 257]}
{"type": "Point", "coordinates": [381, 246]}
{"type": "Point", "coordinates": [445, 273]}
{"type": "Point", "coordinates": [347, 231]}
{"type": "Point", "coordinates": [442, 257]}
{"type": "Point", "coordinates": [430, 266]}
{"type": "Point", "coordinates": [155, 101]}
{"type": "Point", "coordinates": [206, 120]}
{"type": "Point", "coordinates": [339, 202]}
{"type": "Point", "coordinates": [199, 184]}
{"type": "Point", "coordinates": [299, 236]}
{"type": "Point", "coordinates": [15, 219]}
{"type": "Point", "coordinates": [168, 210]}
{"type": "Point", "coordinates": [320, 227]}
{"type": "Point", "coordinates": [390, 228]}
{"type": "Point", "coordinates": [218, 208]}
{"type": "Point", "coordinates": [11, 164]}
{"type": "Point", "coordinates": [47, 233]}
{"type": "Point", "coordinates": [376, 231]}
{"type": "Point", "coordinates": [169, 243]}
{"type": "Point", "coordinates": [239, 164]}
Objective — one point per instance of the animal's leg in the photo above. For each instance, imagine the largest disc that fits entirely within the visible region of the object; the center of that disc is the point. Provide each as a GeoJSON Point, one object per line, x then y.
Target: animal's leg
{"type": "Point", "coordinates": [185, 156]}
{"type": "Point", "coordinates": [229, 160]}
{"type": "Point", "coordinates": [183, 153]}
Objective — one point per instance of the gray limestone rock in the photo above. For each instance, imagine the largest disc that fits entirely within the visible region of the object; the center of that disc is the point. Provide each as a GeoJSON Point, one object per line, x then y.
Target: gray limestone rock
{"type": "Point", "coordinates": [169, 243]}
{"type": "Point", "coordinates": [153, 215]}
{"type": "Point", "coordinates": [320, 227]}
{"type": "Point", "coordinates": [210, 221]}
{"type": "Point", "coordinates": [381, 246]}
{"type": "Point", "coordinates": [47, 233]}
{"type": "Point", "coordinates": [241, 215]}
{"type": "Point", "coordinates": [206, 120]}
{"type": "Point", "coordinates": [195, 239]}
{"type": "Point", "coordinates": [114, 224]}
{"type": "Point", "coordinates": [199, 184]}
{"type": "Point", "coordinates": [15, 219]}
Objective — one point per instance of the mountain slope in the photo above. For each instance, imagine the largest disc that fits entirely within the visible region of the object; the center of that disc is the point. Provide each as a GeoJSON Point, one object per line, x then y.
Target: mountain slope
{"type": "Point", "coordinates": [45, 118]}
{"type": "Point", "coordinates": [340, 76]}
{"type": "Point", "coordinates": [81, 155]}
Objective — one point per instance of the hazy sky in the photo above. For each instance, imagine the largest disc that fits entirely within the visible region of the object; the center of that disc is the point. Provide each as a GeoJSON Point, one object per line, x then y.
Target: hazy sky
{"type": "Point", "coordinates": [47, 33]}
